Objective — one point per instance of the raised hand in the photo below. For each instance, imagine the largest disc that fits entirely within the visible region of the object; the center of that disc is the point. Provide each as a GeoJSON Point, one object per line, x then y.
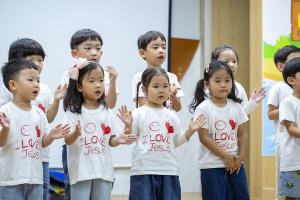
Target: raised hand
{"type": "Point", "coordinates": [4, 121]}
{"type": "Point", "coordinates": [60, 131]}
{"type": "Point", "coordinates": [125, 115]}
{"type": "Point", "coordinates": [60, 92]}
{"type": "Point", "coordinates": [258, 95]}
{"type": "Point", "coordinates": [197, 123]}
{"type": "Point", "coordinates": [112, 72]}
{"type": "Point", "coordinates": [126, 139]}
{"type": "Point", "coordinates": [173, 90]}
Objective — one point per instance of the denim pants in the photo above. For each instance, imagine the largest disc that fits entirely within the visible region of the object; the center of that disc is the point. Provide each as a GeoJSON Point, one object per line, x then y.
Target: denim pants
{"type": "Point", "coordinates": [46, 180]}
{"type": "Point", "coordinates": [65, 166]}
{"type": "Point", "coordinates": [217, 184]}
{"type": "Point", "coordinates": [154, 187]}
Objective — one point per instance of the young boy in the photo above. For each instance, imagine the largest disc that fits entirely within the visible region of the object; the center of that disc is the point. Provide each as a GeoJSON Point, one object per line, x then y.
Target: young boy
{"type": "Point", "coordinates": [31, 50]}
{"type": "Point", "coordinates": [152, 48]}
{"type": "Point", "coordinates": [279, 91]}
{"type": "Point", "coordinates": [24, 131]}
{"type": "Point", "coordinates": [87, 44]}
{"type": "Point", "coordinates": [289, 143]}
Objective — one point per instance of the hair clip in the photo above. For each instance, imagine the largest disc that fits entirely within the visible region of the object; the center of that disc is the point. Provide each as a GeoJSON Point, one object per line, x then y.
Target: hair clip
{"type": "Point", "coordinates": [206, 68]}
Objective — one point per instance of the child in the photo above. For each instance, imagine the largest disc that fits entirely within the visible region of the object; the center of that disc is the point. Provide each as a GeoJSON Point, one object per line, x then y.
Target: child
{"type": "Point", "coordinates": [93, 131]}
{"type": "Point", "coordinates": [278, 92]}
{"type": "Point", "coordinates": [152, 48]}
{"type": "Point", "coordinates": [223, 137]}
{"type": "Point", "coordinates": [229, 55]}
{"type": "Point", "coordinates": [24, 131]}
{"type": "Point", "coordinates": [154, 172]}
{"type": "Point", "coordinates": [289, 143]}
{"type": "Point", "coordinates": [31, 50]}
{"type": "Point", "coordinates": [86, 44]}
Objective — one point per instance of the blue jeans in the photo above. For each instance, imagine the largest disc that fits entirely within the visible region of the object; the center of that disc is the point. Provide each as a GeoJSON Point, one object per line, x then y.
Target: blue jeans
{"type": "Point", "coordinates": [217, 184]}
{"type": "Point", "coordinates": [21, 192]}
{"type": "Point", "coordinates": [46, 180]}
{"type": "Point", "coordinates": [65, 166]}
{"type": "Point", "coordinates": [154, 187]}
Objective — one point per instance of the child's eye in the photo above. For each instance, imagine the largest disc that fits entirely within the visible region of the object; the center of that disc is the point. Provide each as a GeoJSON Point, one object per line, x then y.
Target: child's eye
{"type": "Point", "coordinates": [87, 48]}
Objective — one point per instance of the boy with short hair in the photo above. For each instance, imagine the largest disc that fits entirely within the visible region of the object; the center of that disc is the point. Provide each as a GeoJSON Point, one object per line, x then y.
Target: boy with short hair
{"type": "Point", "coordinates": [87, 44]}
{"type": "Point", "coordinates": [31, 50]}
{"type": "Point", "coordinates": [152, 48]}
{"type": "Point", "coordinates": [24, 131]}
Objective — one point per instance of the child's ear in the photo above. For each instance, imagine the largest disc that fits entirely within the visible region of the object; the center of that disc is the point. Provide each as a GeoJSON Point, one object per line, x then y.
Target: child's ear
{"type": "Point", "coordinates": [291, 80]}
{"type": "Point", "coordinates": [280, 66]}
{"type": "Point", "coordinates": [12, 85]}
{"type": "Point", "coordinates": [144, 90]}
{"type": "Point", "coordinates": [79, 88]}
{"type": "Point", "coordinates": [74, 53]}
{"type": "Point", "coordinates": [142, 53]}
{"type": "Point", "coordinates": [206, 84]}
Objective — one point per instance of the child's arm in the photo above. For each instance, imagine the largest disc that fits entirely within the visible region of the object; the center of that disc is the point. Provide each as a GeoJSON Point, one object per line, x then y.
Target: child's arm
{"type": "Point", "coordinates": [256, 97]}
{"type": "Point", "coordinates": [58, 95]}
{"type": "Point", "coordinates": [242, 142]}
{"type": "Point", "coordinates": [111, 97]}
{"type": "Point", "coordinates": [56, 133]}
{"type": "Point", "coordinates": [273, 112]}
{"type": "Point", "coordinates": [72, 137]}
{"type": "Point", "coordinates": [292, 128]}
{"type": "Point", "coordinates": [122, 139]}
{"type": "Point", "coordinates": [176, 103]}
{"type": "Point", "coordinates": [194, 125]}
{"type": "Point", "coordinates": [213, 147]}
{"type": "Point", "coordinates": [5, 123]}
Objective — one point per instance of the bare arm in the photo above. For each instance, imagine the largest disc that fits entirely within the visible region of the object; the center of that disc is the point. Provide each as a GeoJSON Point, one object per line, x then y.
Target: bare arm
{"type": "Point", "coordinates": [5, 123]}
{"type": "Point", "coordinates": [176, 103]}
{"type": "Point", "coordinates": [72, 137]}
{"type": "Point", "coordinates": [56, 133]}
{"type": "Point", "coordinates": [273, 112]}
{"type": "Point", "coordinates": [111, 97]}
{"type": "Point", "coordinates": [292, 128]}
{"type": "Point", "coordinates": [242, 140]}
{"type": "Point", "coordinates": [58, 95]}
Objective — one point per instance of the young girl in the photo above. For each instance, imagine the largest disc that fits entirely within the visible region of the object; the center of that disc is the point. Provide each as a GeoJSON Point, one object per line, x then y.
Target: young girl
{"type": "Point", "coordinates": [93, 131]}
{"type": "Point", "coordinates": [154, 172]}
{"type": "Point", "coordinates": [229, 55]}
{"type": "Point", "coordinates": [223, 137]}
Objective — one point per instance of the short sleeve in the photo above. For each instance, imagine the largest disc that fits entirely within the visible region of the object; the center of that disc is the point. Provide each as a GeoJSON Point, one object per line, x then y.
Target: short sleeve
{"type": "Point", "coordinates": [273, 97]}
{"type": "Point", "coordinates": [174, 80]}
{"type": "Point", "coordinates": [70, 119]}
{"type": "Point", "coordinates": [286, 111]}
{"type": "Point", "coordinates": [135, 81]}
{"type": "Point", "coordinates": [242, 116]}
{"type": "Point", "coordinates": [65, 78]}
{"type": "Point", "coordinates": [135, 122]}
{"type": "Point", "coordinates": [113, 123]}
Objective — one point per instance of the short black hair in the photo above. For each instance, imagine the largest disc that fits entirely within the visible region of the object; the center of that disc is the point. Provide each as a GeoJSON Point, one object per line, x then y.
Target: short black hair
{"type": "Point", "coordinates": [12, 69]}
{"type": "Point", "coordinates": [147, 37]}
{"type": "Point", "coordinates": [281, 54]}
{"type": "Point", "coordinates": [83, 35]}
{"type": "Point", "coordinates": [291, 68]}
{"type": "Point", "coordinates": [24, 47]}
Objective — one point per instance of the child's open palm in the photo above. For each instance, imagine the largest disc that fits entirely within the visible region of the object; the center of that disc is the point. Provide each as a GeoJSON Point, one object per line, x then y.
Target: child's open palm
{"type": "Point", "coordinates": [126, 139]}
{"type": "Point", "coordinates": [173, 90]}
{"type": "Point", "coordinates": [197, 123]}
{"type": "Point", "coordinates": [60, 131]}
{"type": "Point", "coordinates": [4, 121]}
{"type": "Point", "coordinates": [60, 92]}
{"type": "Point", "coordinates": [125, 115]}
{"type": "Point", "coordinates": [258, 95]}
{"type": "Point", "coordinates": [112, 72]}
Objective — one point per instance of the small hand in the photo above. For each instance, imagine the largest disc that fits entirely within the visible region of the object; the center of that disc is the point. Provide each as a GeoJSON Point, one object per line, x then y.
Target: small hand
{"type": "Point", "coordinates": [126, 139]}
{"type": "Point", "coordinates": [112, 72]}
{"type": "Point", "coordinates": [60, 131]}
{"type": "Point", "coordinates": [4, 121]}
{"type": "Point", "coordinates": [197, 123]}
{"type": "Point", "coordinates": [237, 163]}
{"type": "Point", "coordinates": [173, 90]}
{"type": "Point", "coordinates": [229, 163]}
{"type": "Point", "coordinates": [60, 92]}
{"type": "Point", "coordinates": [78, 129]}
{"type": "Point", "coordinates": [258, 95]}
{"type": "Point", "coordinates": [125, 115]}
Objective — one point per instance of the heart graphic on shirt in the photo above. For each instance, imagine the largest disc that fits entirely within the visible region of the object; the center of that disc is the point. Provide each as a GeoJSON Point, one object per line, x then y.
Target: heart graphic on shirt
{"type": "Point", "coordinates": [106, 129]}
{"type": "Point", "coordinates": [169, 127]}
{"type": "Point", "coordinates": [38, 131]}
{"type": "Point", "coordinates": [42, 107]}
{"type": "Point", "coordinates": [232, 124]}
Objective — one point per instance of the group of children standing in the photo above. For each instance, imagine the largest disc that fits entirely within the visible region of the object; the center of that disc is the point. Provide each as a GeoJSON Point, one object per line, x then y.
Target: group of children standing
{"type": "Point", "coordinates": [220, 106]}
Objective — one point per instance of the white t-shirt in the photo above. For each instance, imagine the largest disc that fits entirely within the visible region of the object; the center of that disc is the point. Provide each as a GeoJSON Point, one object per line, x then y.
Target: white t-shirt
{"type": "Point", "coordinates": [248, 105]}
{"type": "Point", "coordinates": [158, 131]}
{"type": "Point", "coordinates": [89, 157]}
{"type": "Point", "coordinates": [222, 125]}
{"type": "Point", "coordinates": [43, 101]}
{"type": "Point", "coordinates": [289, 146]}
{"type": "Point", "coordinates": [20, 158]}
{"type": "Point", "coordinates": [66, 77]}
{"type": "Point", "coordinates": [276, 95]}
{"type": "Point", "coordinates": [137, 78]}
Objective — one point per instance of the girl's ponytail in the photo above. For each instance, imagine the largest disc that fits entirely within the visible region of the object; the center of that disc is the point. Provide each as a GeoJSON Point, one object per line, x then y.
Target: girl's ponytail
{"type": "Point", "coordinates": [199, 95]}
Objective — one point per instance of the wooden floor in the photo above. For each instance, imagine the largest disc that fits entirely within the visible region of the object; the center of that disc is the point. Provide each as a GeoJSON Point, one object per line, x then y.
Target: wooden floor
{"type": "Point", "coordinates": [186, 196]}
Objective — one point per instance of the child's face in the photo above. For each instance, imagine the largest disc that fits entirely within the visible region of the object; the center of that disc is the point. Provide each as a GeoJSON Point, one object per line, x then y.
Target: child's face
{"type": "Point", "coordinates": [38, 60]}
{"type": "Point", "coordinates": [155, 53]}
{"type": "Point", "coordinates": [295, 82]}
{"type": "Point", "coordinates": [92, 85]}
{"type": "Point", "coordinates": [219, 84]}
{"type": "Point", "coordinates": [26, 86]}
{"type": "Point", "coordinates": [228, 56]}
{"type": "Point", "coordinates": [90, 49]}
{"type": "Point", "coordinates": [157, 91]}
